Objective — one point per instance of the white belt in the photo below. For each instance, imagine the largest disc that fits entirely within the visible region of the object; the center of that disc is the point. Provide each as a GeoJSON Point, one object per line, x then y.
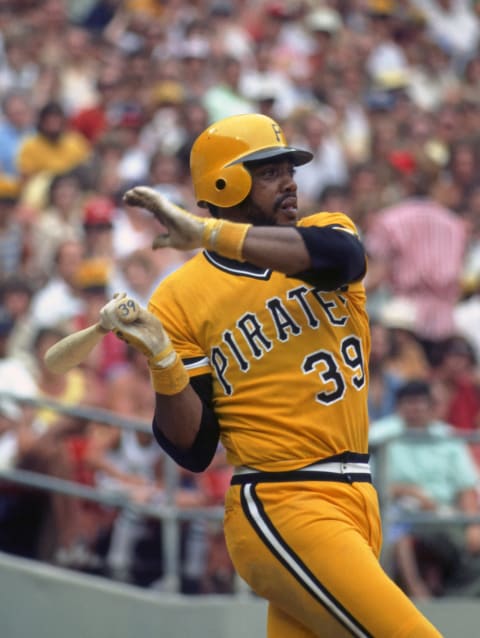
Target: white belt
{"type": "Point", "coordinates": [331, 467]}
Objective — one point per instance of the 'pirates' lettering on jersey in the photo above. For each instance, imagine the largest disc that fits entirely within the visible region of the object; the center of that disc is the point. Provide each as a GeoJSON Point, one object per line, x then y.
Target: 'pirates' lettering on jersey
{"type": "Point", "coordinates": [282, 355]}
{"type": "Point", "coordinates": [249, 339]}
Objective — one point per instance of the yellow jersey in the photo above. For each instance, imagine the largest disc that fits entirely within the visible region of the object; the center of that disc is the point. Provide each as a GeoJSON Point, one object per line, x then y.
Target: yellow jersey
{"type": "Point", "coordinates": [37, 154]}
{"type": "Point", "coordinates": [288, 360]}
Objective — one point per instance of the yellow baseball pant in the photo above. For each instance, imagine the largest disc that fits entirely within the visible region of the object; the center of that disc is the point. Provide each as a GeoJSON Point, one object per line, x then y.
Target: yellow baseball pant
{"type": "Point", "coordinates": [311, 549]}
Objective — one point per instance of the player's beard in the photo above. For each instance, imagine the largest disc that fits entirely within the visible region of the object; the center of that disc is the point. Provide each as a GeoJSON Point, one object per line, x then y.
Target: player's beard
{"type": "Point", "coordinates": [254, 214]}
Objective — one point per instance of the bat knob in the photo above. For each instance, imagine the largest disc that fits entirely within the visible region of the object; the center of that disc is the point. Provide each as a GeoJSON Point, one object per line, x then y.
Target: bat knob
{"type": "Point", "coordinates": [127, 310]}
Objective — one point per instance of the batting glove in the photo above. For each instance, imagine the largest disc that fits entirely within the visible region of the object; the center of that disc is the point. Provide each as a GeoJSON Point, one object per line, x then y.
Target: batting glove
{"type": "Point", "coordinates": [186, 231]}
{"type": "Point", "coordinates": [143, 331]}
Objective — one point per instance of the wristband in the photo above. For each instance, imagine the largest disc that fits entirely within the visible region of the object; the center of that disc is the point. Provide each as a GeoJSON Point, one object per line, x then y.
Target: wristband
{"type": "Point", "coordinates": [226, 238]}
{"type": "Point", "coordinates": [170, 378]}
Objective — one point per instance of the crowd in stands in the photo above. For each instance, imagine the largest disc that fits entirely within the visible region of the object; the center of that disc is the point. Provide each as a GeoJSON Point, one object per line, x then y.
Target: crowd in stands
{"type": "Point", "coordinates": [99, 95]}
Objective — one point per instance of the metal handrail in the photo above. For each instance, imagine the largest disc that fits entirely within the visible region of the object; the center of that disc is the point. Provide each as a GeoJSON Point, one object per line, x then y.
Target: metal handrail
{"type": "Point", "coordinates": [87, 413]}
{"type": "Point", "coordinates": [112, 498]}
{"type": "Point", "coordinates": [167, 512]}
{"type": "Point", "coordinates": [171, 515]}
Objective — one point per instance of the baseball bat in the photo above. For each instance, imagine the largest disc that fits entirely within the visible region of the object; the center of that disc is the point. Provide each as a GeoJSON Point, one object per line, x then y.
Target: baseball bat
{"type": "Point", "coordinates": [75, 348]}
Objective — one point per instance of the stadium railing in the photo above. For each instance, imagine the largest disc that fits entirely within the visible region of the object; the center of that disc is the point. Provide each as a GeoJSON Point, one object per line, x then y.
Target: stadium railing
{"type": "Point", "coordinates": [172, 515]}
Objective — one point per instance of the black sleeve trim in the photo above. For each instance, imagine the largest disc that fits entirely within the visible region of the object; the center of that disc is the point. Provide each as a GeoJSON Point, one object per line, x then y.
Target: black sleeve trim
{"type": "Point", "coordinates": [338, 257]}
{"type": "Point", "coordinates": [200, 455]}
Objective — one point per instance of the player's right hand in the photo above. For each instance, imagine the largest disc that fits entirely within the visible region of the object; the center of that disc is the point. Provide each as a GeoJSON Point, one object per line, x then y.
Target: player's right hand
{"type": "Point", "coordinates": [138, 327]}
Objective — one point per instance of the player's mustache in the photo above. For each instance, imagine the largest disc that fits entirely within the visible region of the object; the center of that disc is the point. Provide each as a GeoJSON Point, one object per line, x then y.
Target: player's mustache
{"type": "Point", "coordinates": [281, 198]}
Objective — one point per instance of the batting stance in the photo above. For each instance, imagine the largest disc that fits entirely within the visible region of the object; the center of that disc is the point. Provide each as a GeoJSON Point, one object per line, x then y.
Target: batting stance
{"type": "Point", "coordinates": [261, 341]}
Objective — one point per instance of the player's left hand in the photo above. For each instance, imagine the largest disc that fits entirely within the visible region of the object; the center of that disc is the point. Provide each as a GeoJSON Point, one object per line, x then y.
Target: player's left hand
{"type": "Point", "coordinates": [184, 230]}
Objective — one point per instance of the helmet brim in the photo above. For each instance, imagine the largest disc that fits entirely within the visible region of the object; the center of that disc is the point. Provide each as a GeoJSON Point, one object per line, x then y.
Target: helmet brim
{"type": "Point", "coordinates": [298, 156]}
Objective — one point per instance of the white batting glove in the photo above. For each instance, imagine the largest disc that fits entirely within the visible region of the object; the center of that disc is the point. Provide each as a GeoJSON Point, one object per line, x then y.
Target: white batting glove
{"type": "Point", "coordinates": [186, 231]}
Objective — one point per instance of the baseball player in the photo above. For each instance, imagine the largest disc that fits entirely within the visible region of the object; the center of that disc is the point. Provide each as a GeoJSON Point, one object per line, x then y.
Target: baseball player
{"type": "Point", "coordinates": [261, 341]}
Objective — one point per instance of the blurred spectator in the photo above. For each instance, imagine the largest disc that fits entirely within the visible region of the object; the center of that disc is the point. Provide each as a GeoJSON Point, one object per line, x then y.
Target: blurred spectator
{"type": "Point", "coordinates": [36, 524]}
{"type": "Point", "coordinates": [16, 377]}
{"type": "Point", "coordinates": [134, 229]}
{"type": "Point", "coordinates": [18, 70]}
{"type": "Point", "coordinates": [97, 221]}
{"type": "Point", "coordinates": [139, 276]}
{"type": "Point", "coordinates": [386, 56]}
{"type": "Point", "coordinates": [59, 300]}
{"type": "Point", "coordinates": [12, 444]}
{"type": "Point", "coordinates": [261, 79]}
{"type": "Point", "coordinates": [471, 266]}
{"type": "Point", "coordinates": [163, 132]}
{"type": "Point", "coordinates": [383, 383]}
{"type": "Point", "coordinates": [224, 98]}
{"type": "Point", "coordinates": [415, 268]}
{"type": "Point", "coordinates": [447, 124]}
{"type": "Point", "coordinates": [324, 25]}
{"type": "Point", "coordinates": [329, 166]}
{"type": "Point", "coordinates": [133, 164]}
{"type": "Point", "coordinates": [49, 22]}
{"type": "Point", "coordinates": [77, 72]}
{"type": "Point", "coordinates": [467, 310]}
{"type": "Point", "coordinates": [133, 467]}
{"type": "Point", "coordinates": [352, 124]}
{"type": "Point", "coordinates": [470, 87]}
{"type": "Point", "coordinates": [17, 123]}
{"type": "Point", "coordinates": [93, 120]}
{"type": "Point", "coordinates": [195, 69]}
{"type": "Point", "coordinates": [335, 198]}
{"type": "Point", "coordinates": [53, 148]}
{"type": "Point", "coordinates": [59, 220]}
{"type": "Point", "coordinates": [278, 25]}
{"type": "Point", "coordinates": [229, 34]}
{"type": "Point", "coordinates": [432, 77]}
{"type": "Point", "coordinates": [15, 298]}
{"type": "Point", "coordinates": [457, 384]}
{"type": "Point", "coordinates": [365, 187]}
{"type": "Point", "coordinates": [165, 174]}
{"type": "Point", "coordinates": [69, 389]}
{"type": "Point", "coordinates": [193, 120]}
{"type": "Point", "coordinates": [453, 25]}
{"type": "Point", "coordinates": [217, 574]}
{"type": "Point", "coordinates": [428, 469]}
{"type": "Point", "coordinates": [464, 171]}
{"type": "Point", "coordinates": [98, 14]}
{"type": "Point", "coordinates": [406, 358]}
{"type": "Point", "coordinates": [24, 512]}
{"type": "Point", "coordinates": [12, 241]}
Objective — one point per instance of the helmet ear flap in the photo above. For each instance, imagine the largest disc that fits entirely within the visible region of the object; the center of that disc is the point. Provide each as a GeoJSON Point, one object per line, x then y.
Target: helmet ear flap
{"type": "Point", "coordinates": [227, 187]}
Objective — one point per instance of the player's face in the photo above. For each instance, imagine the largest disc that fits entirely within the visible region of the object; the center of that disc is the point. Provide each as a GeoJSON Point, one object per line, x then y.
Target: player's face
{"type": "Point", "coordinates": [273, 197]}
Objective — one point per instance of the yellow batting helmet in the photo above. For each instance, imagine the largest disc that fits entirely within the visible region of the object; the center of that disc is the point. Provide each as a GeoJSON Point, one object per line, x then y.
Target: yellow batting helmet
{"type": "Point", "coordinates": [219, 153]}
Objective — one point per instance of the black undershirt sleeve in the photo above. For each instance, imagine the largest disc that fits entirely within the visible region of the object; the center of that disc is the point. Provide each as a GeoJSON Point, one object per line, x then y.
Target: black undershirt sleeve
{"type": "Point", "coordinates": [199, 456]}
{"type": "Point", "coordinates": [338, 257]}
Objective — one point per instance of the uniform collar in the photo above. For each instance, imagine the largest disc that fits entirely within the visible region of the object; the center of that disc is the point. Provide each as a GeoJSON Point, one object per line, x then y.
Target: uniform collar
{"type": "Point", "coordinates": [238, 268]}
